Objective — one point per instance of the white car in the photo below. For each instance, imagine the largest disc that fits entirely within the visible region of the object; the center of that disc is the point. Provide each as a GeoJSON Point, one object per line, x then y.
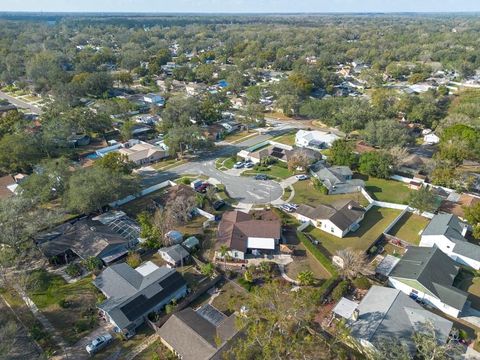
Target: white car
{"type": "Point", "coordinates": [99, 343]}
{"type": "Point", "coordinates": [239, 165]}
{"type": "Point", "coordinates": [302, 177]}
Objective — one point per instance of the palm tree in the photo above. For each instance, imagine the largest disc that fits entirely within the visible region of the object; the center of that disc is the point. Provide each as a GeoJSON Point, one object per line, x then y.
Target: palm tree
{"type": "Point", "coordinates": [223, 253]}
{"type": "Point", "coordinates": [306, 278]}
{"type": "Point", "coordinates": [354, 262]}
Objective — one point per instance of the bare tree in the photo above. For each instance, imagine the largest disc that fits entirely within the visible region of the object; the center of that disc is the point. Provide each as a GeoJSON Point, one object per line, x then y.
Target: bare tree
{"type": "Point", "coordinates": [300, 159]}
{"type": "Point", "coordinates": [354, 262]}
{"type": "Point", "coordinates": [180, 209]}
{"type": "Point", "coordinates": [429, 346]}
{"type": "Point", "coordinates": [399, 154]}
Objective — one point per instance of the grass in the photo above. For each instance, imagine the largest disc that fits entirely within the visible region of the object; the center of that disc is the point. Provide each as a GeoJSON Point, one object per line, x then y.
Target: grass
{"type": "Point", "coordinates": [371, 227]}
{"type": "Point", "coordinates": [307, 263]}
{"type": "Point", "coordinates": [168, 164]}
{"type": "Point", "coordinates": [409, 228]}
{"type": "Point", "coordinates": [394, 250]}
{"type": "Point", "coordinates": [386, 190]}
{"type": "Point", "coordinates": [305, 193]}
{"type": "Point", "coordinates": [156, 351]}
{"type": "Point", "coordinates": [320, 258]}
{"type": "Point", "coordinates": [79, 317]}
{"type": "Point", "coordinates": [236, 136]}
{"type": "Point", "coordinates": [467, 280]}
{"type": "Point", "coordinates": [224, 163]}
{"type": "Point", "coordinates": [231, 298]}
{"type": "Point", "coordinates": [287, 139]}
{"type": "Point", "coordinates": [135, 207]}
{"type": "Point", "coordinates": [273, 171]}
{"type": "Point", "coordinates": [193, 227]}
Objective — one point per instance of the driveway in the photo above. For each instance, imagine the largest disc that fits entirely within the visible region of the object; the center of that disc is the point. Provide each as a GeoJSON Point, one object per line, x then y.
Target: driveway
{"type": "Point", "coordinates": [20, 103]}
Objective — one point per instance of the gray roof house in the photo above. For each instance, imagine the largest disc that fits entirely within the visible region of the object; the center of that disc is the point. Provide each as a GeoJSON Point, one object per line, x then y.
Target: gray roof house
{"type": "Point", "coordinates": [337, 179]}
{"type": "Point", "coordinates": [385, 314]}
{"type": "Point", "coordinates": [133, 294]}
{"type": "Point", "coordinates": [174, 255]}
{"type": "Point", "coordinates": [426, 274]}
{"type": "Point", "coordinates": [198, 334]}
{"type": "Point", "coordinates": [447, 232]}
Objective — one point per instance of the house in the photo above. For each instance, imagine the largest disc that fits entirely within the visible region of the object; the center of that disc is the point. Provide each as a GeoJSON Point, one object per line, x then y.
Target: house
{"type": "Point", "coordinates": [154, 99]}
{"type": "Point", "coordinates": [174, 255]}
{"type": "Point", "coordinates": [144, 153]}
{"type": "Point", "coordinates": [201, 334]}
{"type": "Point", "coordinates": [447, 233]}
{"type": "Point", "coordinates": [338, 219]}
{"type": "Point", "coordinates": [148, 119]}
{"type": "Point", "coordinates": [194, 89]}
{"type": "Point", "coordinates": [133, 294]}
{"type": "Point", "coordinates": [337, 179]}
{"type": "Point", "coordinates": [174, 236]}
{"type": "Point", "coordinates": [231, 126]}
{"type": "Point", "coordinates": [362, 147]}
{"type": "Point", "coordinates": [7, 186]}
{"type": "Point", "coordinates": [89, 237]}
{"type": "Point", "coordinates": [431, 139]}
{"type": "Point", "coordinates": [386, 314]}
{"type": "Point", "coordinates": [456, 203]}
{"type": "Point", "coordinates": [191, 243]}
{"type": "Point", "coordinates": [79, 140]}
{"type": "Point", "coordinates": [426, 274]}
{"type": "Point", "coordinates": [315, 139]}
{"type": "Point", "coordinates": [244, 233]}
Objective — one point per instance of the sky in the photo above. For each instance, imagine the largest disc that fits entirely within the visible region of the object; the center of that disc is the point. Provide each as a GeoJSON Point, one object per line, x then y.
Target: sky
{"type": "Point", "coordinates": [276, 6]}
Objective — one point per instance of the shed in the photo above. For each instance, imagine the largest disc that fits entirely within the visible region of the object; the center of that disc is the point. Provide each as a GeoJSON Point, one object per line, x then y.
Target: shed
{"type": "Point", "coordinates": [191, 243]}
{"type": "Point", "coordinates": [175, 237]}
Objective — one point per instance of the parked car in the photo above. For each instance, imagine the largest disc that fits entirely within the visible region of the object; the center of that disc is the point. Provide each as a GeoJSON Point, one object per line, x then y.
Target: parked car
{"type": "Point", "coordinates": [99, 343]}
{"type": "Point", "coordinates": [203, 188]}
{"type": "Point", "coordinates": [287, 208]}
{"type": "Point", "coordinates": [239, 165]}
{"type": "Point", "coordinates": [249, 165]}
{"type": "Point", "coordinates": [218, 204]}
{"type": "Point", "coordinates": [302, 177]}
{"type": "Point", "coordinates": [261, 177]}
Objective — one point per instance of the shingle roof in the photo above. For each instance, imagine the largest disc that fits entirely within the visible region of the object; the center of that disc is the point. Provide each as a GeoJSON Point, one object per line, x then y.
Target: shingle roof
{"type": "Point", "coordinates": [386, 314]}
{"type": "Point", "coordinates": [434, 270]}
{"type": "Point", "coordinates": [176, 252]}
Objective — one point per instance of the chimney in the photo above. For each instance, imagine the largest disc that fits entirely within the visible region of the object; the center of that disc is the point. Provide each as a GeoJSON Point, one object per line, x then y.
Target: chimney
{"type": "Point", "coordinates": [355, 315]}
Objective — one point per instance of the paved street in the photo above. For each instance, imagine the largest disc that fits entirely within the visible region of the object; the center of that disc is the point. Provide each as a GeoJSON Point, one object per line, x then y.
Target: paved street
{"type": "Point", "coordinates": [20, 104]}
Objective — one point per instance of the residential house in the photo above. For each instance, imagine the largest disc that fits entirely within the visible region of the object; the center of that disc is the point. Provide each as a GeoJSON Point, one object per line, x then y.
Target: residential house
{"type": "Point", "coordinates": [244, 233]}
{"type": "Point", "coordinates": [143, 153]}
{"type": "Point", "coordinates": [148, 119]}
{"type": "Point", "coordinates": [194, 89]}
{"type": "Point", "coordinates": [201, 334]}
{"type": "Point", "coordinates": [174, 255]}
{"type": "Point", "coordinates": [133, 294]}
{"type": "Point", "coordinates": [154, 99]}
{"type": "Point", "coordinates": [231, 126]}
{"type": "Point", "coordinates": [315, 140]}
{"type": "Point", "coordinates": [447, 233]}
{"type": "Point", "coordinates": [337, 179]}
{"type": "Point", "coordinates": [385, 315]}
{"type": "Point", "coordinates": [89, 237]}
{"type": "Point", "coordinates": [426, 274]}
{"type": "Point", "coordinates": [174, 237]}
{"type": "Point", "coordinates": [337, 219]}
{"type": "Point", "coordinates": [457, 203]}
{"type": "Point", "coordinates": [191, 243]}
{"type": "Point", "coordinates": [7, 186]}
{"type": "Point", "coordinates": [79, 140]}
{"type": "Point", "coordinates": [431, 139]}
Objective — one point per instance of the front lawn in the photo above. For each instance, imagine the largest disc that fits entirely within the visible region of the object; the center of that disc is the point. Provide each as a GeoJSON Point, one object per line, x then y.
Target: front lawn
{"type": "Point", "coordinates": [287, 139]}
{"type": "Point", "coordinates": [69, 307]}
{"type": "Point", "coordinates": [273, 171]}
{"type": "Point", "coordinates": [386, 190]}
{"type": "Point", "coordinates": [236, 136]}
{"type": "Point", "coordinates": [372, 226]}
{"type": "Point", "coordinates": [410, 227]}
{"type": "Point", "coordinates": [305, 193]}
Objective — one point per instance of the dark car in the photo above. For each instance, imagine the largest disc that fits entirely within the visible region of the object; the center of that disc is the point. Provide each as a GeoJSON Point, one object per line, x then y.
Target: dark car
{"type": "Point", "coordinates": [218, 204]}
{"type": "Point", "coordinates": [261, 177]}
{"type": "Point", "coordinates": [203, 188]}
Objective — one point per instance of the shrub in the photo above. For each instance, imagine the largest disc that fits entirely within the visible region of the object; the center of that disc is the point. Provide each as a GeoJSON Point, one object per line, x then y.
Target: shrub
{"type": "Point", "coordinates": [247, 285]}
{"type": "Point", "coordinates": [63, 303]}
{"type": "Point", "coordinates": [134, 259]}
{"type": "Point", "coordinates": [39, 280]}
{"type": "Point", "coordinates": [73, 270]}
{"type": "Point", "coordinates": [340, 290]}
{"type": "Point", "coordinates": [92, 263]}
{"type": "Point", "coordinates": [185, 181]}
{"type": "Point", "coordinates": [169, 308]}
{"type": "Point", "coordinates": [373, 250]}
{"type": "Point", "coordinates": [362, 283]}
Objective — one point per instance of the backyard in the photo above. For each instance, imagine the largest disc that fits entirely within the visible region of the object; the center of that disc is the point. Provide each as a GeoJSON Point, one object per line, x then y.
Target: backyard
{"type": "Point", "coordinates": [305, 193]}
{"type": "Point", "coordinates": [137, 206]}
{"type": "Point", "coordinates": [287, 139]}
{"type": "Point", "coordinates": [371, 227]}
{"type": "Point", "coordinates": [305, 261]}
{"type": "Point", "coordinates": [230, 299]}
{"type": "Point", "coordinates": [410, 227]}
{"type": "Point", "coordinates": [69, 307]}
{"type": "Point", "coordinates": [386, 190]}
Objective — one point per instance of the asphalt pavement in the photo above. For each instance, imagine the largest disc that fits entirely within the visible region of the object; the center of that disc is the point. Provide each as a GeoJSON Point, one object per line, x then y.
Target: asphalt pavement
{"type": "Point", "coordinates": [20, 103]}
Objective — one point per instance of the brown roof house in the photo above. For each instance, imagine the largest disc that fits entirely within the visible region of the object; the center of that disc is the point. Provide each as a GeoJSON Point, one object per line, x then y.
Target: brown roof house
{"type": "Point", "coordinates": [201, 334]}
{"type": "Point", "coordinates": [144, 153]}
{"type": "Point", "coordinates": [7, 186]}
{"type": "Point", "coordinates": [244, 233]}
{"type": "Point", "coordinates": [338, 219]}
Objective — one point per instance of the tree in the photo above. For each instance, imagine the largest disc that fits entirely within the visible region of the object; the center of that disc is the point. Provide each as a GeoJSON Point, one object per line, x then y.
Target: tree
{"type": "Point", "coordinates": [91, 189]}
{"type": "Point", "coordinates": [116, 162]}
{"type": "Point", "coordinates": [306, 278]}
{"type": "Point", "coordinates": [124, 78]}
{"type": "Point", "coordinates": [341, 153]}
{"type": "Point", "coordinates": [423, 200]}
{"type": "Point", "coordinates": [252, 115]}
{"type": "Point", "coordinates": [223, 253]}
{"type": "Point", "coordinates": [399, 155]}
{"type": "Point", "coordinates": [134, 259]}
{"type": "Point", "coordinates": [92, 263]}
{"type": "Point", "coordinates": [150, 233]}
{"type": "Point", "coordinates": [248, 276]}
{"type": "Point", "coordinates": [10, 122]}
{"type": "Point", "coordinates": [8, 338]}
{"type": "Point", "coordinates": [472, 215]}
{"type": "Point", "coordinates": [392, 349]}
{"type": "Point", "coordinates": [126, 131]}
{"type": "Point", "coordinates": [430, 347]}
{"type": "Point", "coordinates": [207, 269]}
{"type": "Point", "coordinates": [289, 104]}
{"type": "Point", "coordinates": [354, 262]}
{"type": "Point", "coordinates": [377, 164]}
{"type": "Point", "coordinates": [301, 159]}
{"type": "Point", "coordinates": [18, 153]}
{"type": "Point", "coordinates": [386, 134]}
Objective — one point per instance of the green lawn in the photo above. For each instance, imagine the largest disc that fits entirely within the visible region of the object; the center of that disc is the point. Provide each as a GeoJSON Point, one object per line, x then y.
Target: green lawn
{"type": "Point", "coordinates": [224, 163]}
{"type": "Point", "coordinates": [386, 190]}
{"type": "Point", "coordinates": [287, 139]}
{"type": "Point", "coordinates": [273, 171]}
{"type": "Point", "coordinates": [371, 227]}
{"type": "Point", "coordinates": [304, 263]}
{"type": "Point", "coordinates": [409, 227]}
{"type": "Point", "coordinates": [168, 164]}
{"type": "Point", "coordinates": [467, 281]}
{"type": "Point", "coordinates": [79, 316]}
{"type": "Point", "coordinates": [231, 298]}
{"type": "Point", "coordinates": [305, 193]}
{"type": "Point", "coordinates": [135, 207]}
{"type": "Point", "coordinates": [236, 136]}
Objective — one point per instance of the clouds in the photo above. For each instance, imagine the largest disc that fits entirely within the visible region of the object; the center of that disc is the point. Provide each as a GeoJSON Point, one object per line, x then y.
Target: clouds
{"type": "Point", "coordinates": [242, 5]}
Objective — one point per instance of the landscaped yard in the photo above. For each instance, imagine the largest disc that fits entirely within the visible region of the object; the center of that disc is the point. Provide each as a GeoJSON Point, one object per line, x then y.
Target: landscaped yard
{"type": "Point", "coordinates": [386, 190]}
{"type": "Point", "coordinates": [410, 227]}
{"type": "Point", "coordinates": [371, 227]}
{"type": "Point", "coordinates": [306, 262]}
{"type": "Point", "coordinates": [273, 171]}
{"type": "Point", "coordinates": [305, 193]}
{"type": "Point", "coordinates": [287, 139]}
{"type": "Point", "coordinates": [69, 307]}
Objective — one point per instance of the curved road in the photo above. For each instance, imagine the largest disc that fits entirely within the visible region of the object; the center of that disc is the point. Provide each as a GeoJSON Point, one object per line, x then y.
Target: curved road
{"type": "Point", "coordinates": [20, 103]}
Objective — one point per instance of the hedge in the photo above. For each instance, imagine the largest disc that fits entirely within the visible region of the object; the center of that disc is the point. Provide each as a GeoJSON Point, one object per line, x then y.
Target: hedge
{"type": "Point", "coordinates": [322, 259]}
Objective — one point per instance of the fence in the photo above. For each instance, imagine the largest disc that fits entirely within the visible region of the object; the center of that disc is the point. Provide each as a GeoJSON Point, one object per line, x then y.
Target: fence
{"type": "Point", "coordinates": [142, 193]}
{"type": "Point", "coordinates": [397, 219]}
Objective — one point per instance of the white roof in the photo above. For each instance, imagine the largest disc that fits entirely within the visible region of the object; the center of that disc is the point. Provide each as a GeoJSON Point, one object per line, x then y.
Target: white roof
{"type": "Point", "coordinates": [387, 265]}
{"type": "Point", "coordinates": [316, 135]}
{"type": "Point", "coordinates": [261, 243]}
{"type": "Point", "coordinates": [345, 308]}
{"type": "Point", "coordinates": [146, 268]}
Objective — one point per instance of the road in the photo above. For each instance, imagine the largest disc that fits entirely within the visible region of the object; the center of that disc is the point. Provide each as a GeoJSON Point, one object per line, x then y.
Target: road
{"type": "Point", "coordinates": [20, 103]}
{"type": "Point", "coordinates": [243, 189]}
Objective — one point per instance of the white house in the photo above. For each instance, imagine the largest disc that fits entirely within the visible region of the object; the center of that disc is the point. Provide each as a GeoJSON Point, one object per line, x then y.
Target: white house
{"type": "Point", "coordinates": [447, 233]}
{"type": "Point", "coordinates": [337, 219]}
{"type": "Point", "coordinates": [427, 274]}
{"type": "Point", "coordinates": [431, 139]}
{"type": "Point", "coordinates": [315, 139]}
{"type": "Point", "coordinates": [154, 99]}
